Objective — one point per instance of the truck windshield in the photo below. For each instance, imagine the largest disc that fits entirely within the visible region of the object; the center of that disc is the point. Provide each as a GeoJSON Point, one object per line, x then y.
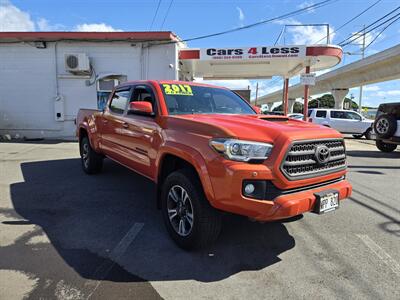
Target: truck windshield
{"type": "Point", "coordinates": [190, 99]}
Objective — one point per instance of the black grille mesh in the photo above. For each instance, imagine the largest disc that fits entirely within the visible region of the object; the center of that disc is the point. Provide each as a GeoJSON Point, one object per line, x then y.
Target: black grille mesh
{"type": "Point", "coordinates": [300, 161]}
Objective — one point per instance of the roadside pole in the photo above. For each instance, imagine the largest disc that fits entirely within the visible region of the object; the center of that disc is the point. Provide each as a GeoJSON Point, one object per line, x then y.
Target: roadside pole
{"type": "Point", "coordinates": [285, 96]}
{"type": "Point", "coordinates": [255, 103]}
{"type": "Point", "coordinates": [361, 87]}
{"type": "Point", "coordinates": [306, 93]}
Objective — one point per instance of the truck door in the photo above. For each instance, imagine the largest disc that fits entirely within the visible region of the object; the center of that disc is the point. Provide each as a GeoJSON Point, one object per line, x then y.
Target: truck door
{"type": "Point", "coordinates": [141, 133]}
{"type": "Point", "coordinates": [112, 124]}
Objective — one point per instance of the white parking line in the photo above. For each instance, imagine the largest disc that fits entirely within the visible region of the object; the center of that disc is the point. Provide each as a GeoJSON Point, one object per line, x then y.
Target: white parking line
{"type": "Point", "coordinates": [386, 258]}
{"type": "Point", "coordinates": [103, 270]}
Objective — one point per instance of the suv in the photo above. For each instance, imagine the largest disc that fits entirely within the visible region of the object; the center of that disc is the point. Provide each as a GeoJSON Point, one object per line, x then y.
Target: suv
{"type": "Point", "coordinates": [387, 127]}
{"type": "Point", "coordinates": [344, 121]}
{"type": "Point", "coordinates": [208, 152]}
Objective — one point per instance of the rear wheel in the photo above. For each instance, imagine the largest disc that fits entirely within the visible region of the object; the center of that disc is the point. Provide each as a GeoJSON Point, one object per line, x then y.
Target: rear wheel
{"type": "Point", "coordinates": [385, 147]}
{"type": "Point", "coordinates": [189, 218]}
{"type": "Point", "coordinates": [92, 162]}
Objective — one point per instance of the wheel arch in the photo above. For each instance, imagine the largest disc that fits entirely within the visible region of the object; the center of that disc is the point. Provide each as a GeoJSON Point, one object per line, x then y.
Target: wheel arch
{"type": "Point", "coordinates": [173, 158]}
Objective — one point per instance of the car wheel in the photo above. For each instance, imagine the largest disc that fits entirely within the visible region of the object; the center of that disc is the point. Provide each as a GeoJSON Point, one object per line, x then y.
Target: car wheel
{"type": "Point", "coordinates": [92, 162]}
{"type": "Point", "coordinates": [189, 218]}
{"type": "Point", "coordinates": [385, 147]}
{"type": "Point", "coordinates": [385, 126]}
{"type": "Point", "coordinates": [368, 134]}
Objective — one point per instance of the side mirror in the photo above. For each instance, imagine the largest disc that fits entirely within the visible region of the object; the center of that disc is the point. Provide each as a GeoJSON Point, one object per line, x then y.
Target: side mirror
{"type": "Point", "coordinates": [143, 108]}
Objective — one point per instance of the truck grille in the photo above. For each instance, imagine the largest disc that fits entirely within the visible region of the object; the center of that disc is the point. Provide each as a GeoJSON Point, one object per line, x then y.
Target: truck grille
{"type": "Point", "coordinates": [306, 159]}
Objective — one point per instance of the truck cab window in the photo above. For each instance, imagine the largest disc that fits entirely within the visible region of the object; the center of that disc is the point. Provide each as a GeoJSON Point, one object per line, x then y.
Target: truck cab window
{"type": "Point", "coordinates": [119, 101]}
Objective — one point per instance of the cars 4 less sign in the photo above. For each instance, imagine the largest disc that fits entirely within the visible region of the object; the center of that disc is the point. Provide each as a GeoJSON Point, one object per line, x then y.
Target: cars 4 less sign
{"type": "Point", "coordinates": [252, 52]}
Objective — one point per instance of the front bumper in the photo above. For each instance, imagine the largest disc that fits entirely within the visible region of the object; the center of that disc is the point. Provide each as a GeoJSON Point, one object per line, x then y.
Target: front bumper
{"type": "Point", "coordinates": [229, 195]}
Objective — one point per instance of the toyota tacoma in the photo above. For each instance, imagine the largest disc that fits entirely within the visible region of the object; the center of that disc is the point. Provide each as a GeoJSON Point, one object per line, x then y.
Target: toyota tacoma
{"type": "Point", "coordinates": [209, 152]}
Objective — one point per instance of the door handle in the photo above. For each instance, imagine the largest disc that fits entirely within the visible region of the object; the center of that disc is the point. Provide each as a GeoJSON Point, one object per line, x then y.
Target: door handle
{"type": "Point", "coordinates": [125, 125]}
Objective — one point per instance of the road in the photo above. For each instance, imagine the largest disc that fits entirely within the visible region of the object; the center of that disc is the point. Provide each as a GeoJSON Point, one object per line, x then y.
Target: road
{"type": "Point", "coordinates": [66, 235]}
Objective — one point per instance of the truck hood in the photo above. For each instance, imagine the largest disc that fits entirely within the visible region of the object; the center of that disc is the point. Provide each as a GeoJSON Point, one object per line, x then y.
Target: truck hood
{"type": "Point", "coordinates": [260, 128]}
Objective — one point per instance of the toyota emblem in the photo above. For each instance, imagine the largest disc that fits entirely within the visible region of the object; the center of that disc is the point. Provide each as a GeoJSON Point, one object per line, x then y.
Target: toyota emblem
{"type": "Point", "coordinates": [322, 154]}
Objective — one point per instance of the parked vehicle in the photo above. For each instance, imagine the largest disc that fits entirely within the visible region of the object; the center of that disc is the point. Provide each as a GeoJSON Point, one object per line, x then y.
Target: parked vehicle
{"type": "Point", "coordinates": [344, 121]}
{"type": "Point", "coordinates": [296, 116]}
{"type": "Point", "coordinates": [387, 127]}
{"type": "Point", "coordinates": [209, 152]}
{"type": "Point", "coordinates": [274, 113]}
{"type": "Point", "coordinates": [264, 108]}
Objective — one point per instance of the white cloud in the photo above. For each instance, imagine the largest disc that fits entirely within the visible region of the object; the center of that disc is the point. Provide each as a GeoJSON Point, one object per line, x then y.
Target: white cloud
{"type": "Point", "coordinates": [371, 88]}
{"type": "Point", "coordinates": [241, 15]}
{"type": "Point", "coordinates": [99, 27]}
{"type": "Point", "coordinates": [13, 19]}
{"type": "Point", "coordinates": [387, 93]}
{"type": "Point", "coordinates": [44, 25]}
{"type": "Point", "coordinates": [307, 4]}
{"type": "Point", "coordinates": [304, 35]}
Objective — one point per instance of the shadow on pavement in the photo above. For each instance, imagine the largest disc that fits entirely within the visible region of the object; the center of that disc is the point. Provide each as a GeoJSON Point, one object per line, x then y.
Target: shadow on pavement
{"type": "Point", "coordinates": [85, 217]}
{"type": "Point", "coordinates": [373, 154]}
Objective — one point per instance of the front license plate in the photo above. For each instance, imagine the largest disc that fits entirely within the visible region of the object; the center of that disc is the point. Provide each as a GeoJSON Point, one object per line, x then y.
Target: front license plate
{"type": "Point", "coordinates": [327, 201]}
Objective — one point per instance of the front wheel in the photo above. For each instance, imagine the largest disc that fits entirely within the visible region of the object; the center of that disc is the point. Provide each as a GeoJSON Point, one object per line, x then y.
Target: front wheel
{"type": "Point", "coordinates": [385, 147]}
{"type": "Point", "coordinates": [189, 218]}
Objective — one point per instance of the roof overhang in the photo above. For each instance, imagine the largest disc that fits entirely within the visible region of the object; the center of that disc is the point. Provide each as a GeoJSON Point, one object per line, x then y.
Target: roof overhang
{"type": "Point", "coordinates": [135, 36]}
{"type": "Point", "coordinates": [257, 62]}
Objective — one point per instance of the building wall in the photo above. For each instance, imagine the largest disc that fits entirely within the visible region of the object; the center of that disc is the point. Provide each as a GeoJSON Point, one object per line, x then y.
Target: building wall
{"type": "Point", "coordinates": [29, 97]}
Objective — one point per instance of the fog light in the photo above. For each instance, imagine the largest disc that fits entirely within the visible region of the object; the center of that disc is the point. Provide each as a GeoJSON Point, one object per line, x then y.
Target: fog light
{"type": "Point", "coordinates": [249, 188]}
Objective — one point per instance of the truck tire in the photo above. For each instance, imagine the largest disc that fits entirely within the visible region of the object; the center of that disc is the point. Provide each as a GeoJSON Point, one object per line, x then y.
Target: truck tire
{"type": "Point", "coordinates": [92, 162]}
{"type": "Point", "coordinates": [189, 218]}
{"type": "Point", "coordinates": [385, 147]}
{"type": "Point", "coordinates": [385, 126]}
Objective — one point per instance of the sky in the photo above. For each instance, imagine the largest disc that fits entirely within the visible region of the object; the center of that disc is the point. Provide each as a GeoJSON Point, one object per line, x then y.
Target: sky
{"type": "Point", "coordinates": [199, 17]}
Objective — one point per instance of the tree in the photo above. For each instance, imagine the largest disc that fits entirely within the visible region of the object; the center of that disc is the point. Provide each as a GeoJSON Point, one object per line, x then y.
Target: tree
{"type": "Point", "coordinates": [327, 101]}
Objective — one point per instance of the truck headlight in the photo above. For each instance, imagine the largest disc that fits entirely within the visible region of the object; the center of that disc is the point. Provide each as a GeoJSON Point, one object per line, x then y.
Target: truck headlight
{"type": "Point", "coordinates": [240, 150]}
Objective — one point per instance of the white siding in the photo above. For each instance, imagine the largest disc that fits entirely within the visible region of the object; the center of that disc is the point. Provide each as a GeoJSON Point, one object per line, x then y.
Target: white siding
{"type": "Point", "coordinates": [28, 81]}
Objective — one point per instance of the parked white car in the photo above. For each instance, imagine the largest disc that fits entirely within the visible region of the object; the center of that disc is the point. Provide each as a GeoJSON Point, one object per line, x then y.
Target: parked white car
{"type": "Point", "coordinates": [344, 121]}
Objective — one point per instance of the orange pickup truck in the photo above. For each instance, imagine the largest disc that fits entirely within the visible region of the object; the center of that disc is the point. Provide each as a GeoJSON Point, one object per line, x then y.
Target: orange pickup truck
{"type": "Point", "coordinates": [209, 152]}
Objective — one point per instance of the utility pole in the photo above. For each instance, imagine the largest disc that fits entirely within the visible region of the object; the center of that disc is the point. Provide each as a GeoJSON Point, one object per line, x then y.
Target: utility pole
{"type": "Point", "coordinates": [361, 87]}
{"type": "Point", "coordinates": [256, 94]}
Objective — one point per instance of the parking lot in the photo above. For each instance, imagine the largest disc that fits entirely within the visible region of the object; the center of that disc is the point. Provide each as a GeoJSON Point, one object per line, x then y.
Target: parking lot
{"type": "Point", "coordinates": [66, 235]}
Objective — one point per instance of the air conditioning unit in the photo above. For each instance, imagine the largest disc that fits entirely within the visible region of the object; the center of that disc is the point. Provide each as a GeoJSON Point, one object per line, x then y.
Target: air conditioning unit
{"type": "Point", "coordinates": [107, 85]}
{"type": "Point", "coordinates": [77, 63]}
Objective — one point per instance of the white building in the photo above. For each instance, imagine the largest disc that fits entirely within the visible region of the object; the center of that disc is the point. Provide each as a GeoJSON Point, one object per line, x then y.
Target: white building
{"type": "Point", "coordinates": [46, 77]}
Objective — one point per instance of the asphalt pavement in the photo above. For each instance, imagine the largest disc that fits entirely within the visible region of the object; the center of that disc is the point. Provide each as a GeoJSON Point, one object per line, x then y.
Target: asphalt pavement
{"type": "Point", "coordinates": [67, 235]}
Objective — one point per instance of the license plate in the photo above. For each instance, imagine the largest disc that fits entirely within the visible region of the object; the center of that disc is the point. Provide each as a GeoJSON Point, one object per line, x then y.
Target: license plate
{"type": "Point", "coordinates": [327, 201]}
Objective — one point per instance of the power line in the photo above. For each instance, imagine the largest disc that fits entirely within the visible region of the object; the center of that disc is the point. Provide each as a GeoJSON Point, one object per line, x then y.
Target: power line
{"type": "Point", "coordinates": [360, 34]}
{"type": "Point", "coordinates": [351, 20]}
{"type": "Point", "coordinates": [373, 23]}
{"type": "Point", "coordinates": [284, 16]}
{"type": "Point", "coordinates": [166, 14]}
{"type": "Point", "coordinates": [155, 14]}
{"type": "Point", "coordinates": [375, 38]}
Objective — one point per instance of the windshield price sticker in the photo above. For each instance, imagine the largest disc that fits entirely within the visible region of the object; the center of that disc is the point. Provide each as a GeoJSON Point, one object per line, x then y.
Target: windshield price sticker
{"type": "Point", "coordinates": [178, 89]}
